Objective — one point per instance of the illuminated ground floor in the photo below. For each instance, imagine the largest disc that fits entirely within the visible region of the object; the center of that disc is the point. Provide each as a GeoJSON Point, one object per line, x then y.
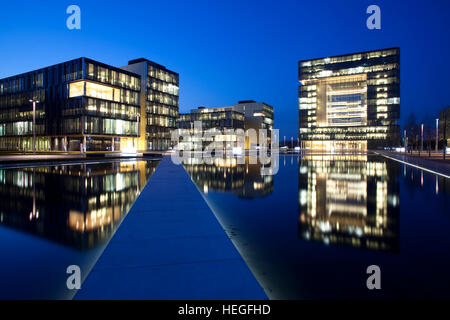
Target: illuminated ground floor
{"type": "Point", "coordinates": [71, 143]}
{"type": "Point", "coordinates": [335, 145]}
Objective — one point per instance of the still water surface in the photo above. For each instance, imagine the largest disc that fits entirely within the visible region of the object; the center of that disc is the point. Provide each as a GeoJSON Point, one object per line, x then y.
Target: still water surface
{"type": "Point", "coordinates": [312, 230]}
{"type": "Point", "coordinates": [60, 215]}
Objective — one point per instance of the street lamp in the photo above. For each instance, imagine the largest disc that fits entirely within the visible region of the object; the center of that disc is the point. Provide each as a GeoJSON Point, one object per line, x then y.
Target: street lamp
{"type": "Point", "coordinates": [138, 117]}
{"type": "Point", "coordinates": [437, 134]}
{"type": "Point", "coordinates": [404, 140]}
{"type": "Point", "coordinates": [421, 135]}
{"type": "Point", "coordinates": [34, 124]}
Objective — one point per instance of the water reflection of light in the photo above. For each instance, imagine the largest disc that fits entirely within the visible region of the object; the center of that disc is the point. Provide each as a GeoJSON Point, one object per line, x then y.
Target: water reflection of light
{"type": "Point", "coordinates": [90, 201]}
{"type": "Point", "coordinates": [437, 185]}
{"type": "Point", "coordinates": [242, 177]}
{"type": "Point", "coordinates": [347, 200]}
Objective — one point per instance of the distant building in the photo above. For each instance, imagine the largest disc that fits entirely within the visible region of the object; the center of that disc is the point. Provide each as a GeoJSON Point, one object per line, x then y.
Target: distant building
{"type": "Point", "coordinates": [350, 101]}
{"type": "Point", "coordinates": [86, 105]}
{"type": "Point", "coordinates": [258, 115]}
{"type": "Point", "coordinates": [212, 119]}
{"type": "Point", "coordinates": [244, 115]}
{"type": "Point", "coordinates": [444, 126]}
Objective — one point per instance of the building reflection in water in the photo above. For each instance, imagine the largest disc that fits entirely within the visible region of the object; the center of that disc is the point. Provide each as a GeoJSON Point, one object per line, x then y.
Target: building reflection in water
{"type": "Point", "coordinates": [348, 200]}
{"type": "Point", "coordinates": [76, 205]}
{"type": "Point", "coordinates": [228, 175]}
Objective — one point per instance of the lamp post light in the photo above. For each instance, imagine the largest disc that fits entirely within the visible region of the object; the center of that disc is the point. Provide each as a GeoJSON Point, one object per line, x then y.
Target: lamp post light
{"type": "Point", "coordinates": [34, 124]}
{"type": "Point", "coordinates": [138, 117]}
{"type": "Point", "coordinates": [437, 134]}
{"type": "Point", "coordinates": [404, 140]}
{"type": "Point", "coordinates": [421, 138]}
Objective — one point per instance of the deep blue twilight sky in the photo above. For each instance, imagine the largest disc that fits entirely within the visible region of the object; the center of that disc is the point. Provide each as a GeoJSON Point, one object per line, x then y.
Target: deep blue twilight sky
{"type": "Point", "coordinates": [232, 50]}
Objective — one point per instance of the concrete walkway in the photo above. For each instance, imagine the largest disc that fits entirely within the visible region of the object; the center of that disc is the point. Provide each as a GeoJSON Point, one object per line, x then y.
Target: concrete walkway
{"type": "Point", "coordinates": [170, 246]}
{"type": "Point", "coordinates": [437, 166]}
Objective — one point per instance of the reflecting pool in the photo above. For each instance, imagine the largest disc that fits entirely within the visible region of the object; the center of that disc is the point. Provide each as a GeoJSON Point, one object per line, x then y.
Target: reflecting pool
{"type": "Point", "coordinates": [60, 215]}
{"type": "Point", "coordinates": [311, 231]}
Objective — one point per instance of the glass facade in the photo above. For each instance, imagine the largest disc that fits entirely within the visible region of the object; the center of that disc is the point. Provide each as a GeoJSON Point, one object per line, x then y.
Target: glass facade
{"type": "Point", "coordinates": [159, 103]}
{"type": "Point", "coordinates": [350, 101]}
{"type": "Point", "coordinates": [245, 115]}
{"type": "Point", "coordinates": [215, 121]}
{"type": "Point", "coordinates": [83, 105]}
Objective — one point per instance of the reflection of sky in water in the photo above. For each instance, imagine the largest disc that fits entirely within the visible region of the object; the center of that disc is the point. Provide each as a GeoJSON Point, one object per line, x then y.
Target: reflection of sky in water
{"type": "Point", "coordinates": [52, 217]}
{"type": "Point", "coordinates": [321, 221]}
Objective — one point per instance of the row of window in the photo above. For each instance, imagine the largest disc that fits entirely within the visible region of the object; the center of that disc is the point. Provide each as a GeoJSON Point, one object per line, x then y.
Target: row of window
{"type": "Point", "coordinates": [158, 97]}
{"type": "Point", "coordinates": [111, 109]}
{"type": "Point", "coordinates": [351, 57]}
{"type": "Point", "coordinates": [20, 128]}
{"type": "Point", "coordinates": [21, 99]}
{"type": "Point", "coordinates": [160, 74]}
{"type": "Point", "coordinates": [162, 110]}
{"type": "Point", "coordinates": [113, 77]}
{"type": "Point", "coordinates": [161, 121]}
{"type": "Point", "coordinates": [95, 90]}
{"type": "Point", "coordinates": [26, 82]}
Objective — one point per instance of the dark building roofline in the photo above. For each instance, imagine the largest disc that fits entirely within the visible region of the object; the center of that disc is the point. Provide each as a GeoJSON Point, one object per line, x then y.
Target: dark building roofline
{"type": "Point", "coordinates": [72, 60]}
{"type": "Point", "coordinates": [246, 101]}
{"type": "Point", "coordinates": [139, 60]}
{"type": "Point", "coordinates": [349, 54]}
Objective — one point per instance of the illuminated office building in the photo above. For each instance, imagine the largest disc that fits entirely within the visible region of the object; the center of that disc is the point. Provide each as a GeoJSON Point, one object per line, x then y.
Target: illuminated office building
{"type": "Point", "coordinates": [85, 105]}
{"type": "Point", "coordinates": [349, 200]}
{"type": "Point", "coordinates": [258, 115]}
{"type": "Point", "coordinates": [159, 103]}
{"type": "Point", "coordinates": [213, 120]}
{"type": "Point", "coordinates": [350, 101]}
{"type": "Point", "coordinates": [244, 115]}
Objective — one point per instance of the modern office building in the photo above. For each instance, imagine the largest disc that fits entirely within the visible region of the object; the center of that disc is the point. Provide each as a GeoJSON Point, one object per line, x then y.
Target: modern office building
{"type": "Point", "coordinates": [350, 101]}
{"type": "Point", "coordinates": [159, 103]}
{"type": "Point", "coordinates": [213, 120]}
{"type": "Point", "coordinates": [444, 126]}
{"type": "Point", "coordinates": [258, 115]}
{"type": "Point", "coordinates": [85, 105]}
{"type": "Point", "coordinates": [82, 105]}
{"type": "Point", "coordinates": [244, 115]}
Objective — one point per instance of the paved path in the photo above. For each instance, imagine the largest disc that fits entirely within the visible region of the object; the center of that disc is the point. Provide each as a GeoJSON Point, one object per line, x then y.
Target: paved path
{"type": "Point", "coordinates": [170, 246]}
{"type": "Point", "coordinates": [438, 166]}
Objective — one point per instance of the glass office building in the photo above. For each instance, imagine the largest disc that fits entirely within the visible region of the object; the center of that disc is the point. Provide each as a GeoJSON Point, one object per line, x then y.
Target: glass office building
{"type": "Point", "coordinates": [245, 115]}
{"type": "Point", "coordinates": [350, 101]}
{"type": "Point", "coordinates": [258, 116]}
{"type": "Point", "coordinates": [215, 122]}
{"type": "Point", "coordinates": [83, 105]}
{"type": "Point", "coordinates": [159, 103]}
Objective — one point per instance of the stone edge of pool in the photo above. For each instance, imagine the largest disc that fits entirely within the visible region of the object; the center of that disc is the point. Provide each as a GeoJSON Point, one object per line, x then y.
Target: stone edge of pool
{"type": "Point", "coordinates": [170, 246]}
